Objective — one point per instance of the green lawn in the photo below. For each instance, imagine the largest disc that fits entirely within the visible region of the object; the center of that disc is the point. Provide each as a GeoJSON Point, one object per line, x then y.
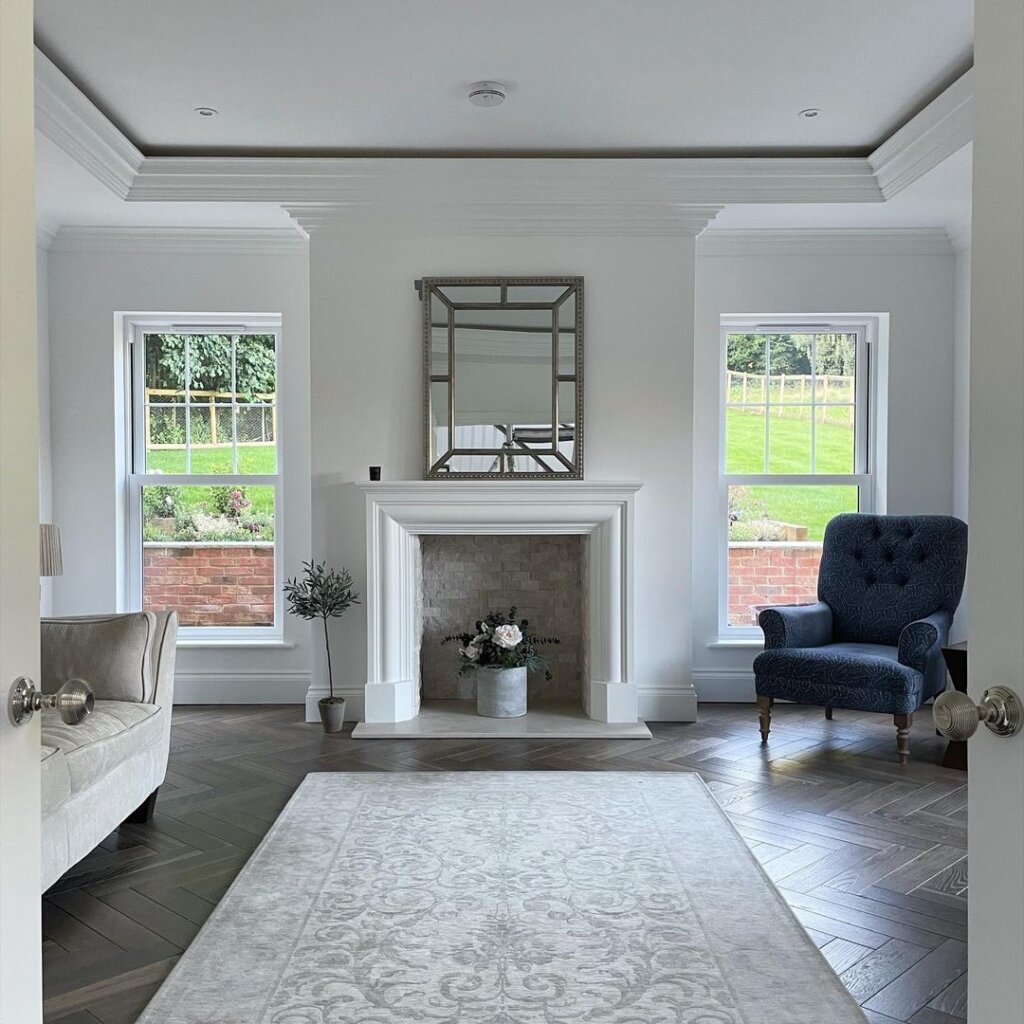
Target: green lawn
{"type": "Point", "coordinates": [190, 499]}
{"type": "Point", "coordinates": [790, 452]}
{"type": "Point", "coordinates": [251, 459]}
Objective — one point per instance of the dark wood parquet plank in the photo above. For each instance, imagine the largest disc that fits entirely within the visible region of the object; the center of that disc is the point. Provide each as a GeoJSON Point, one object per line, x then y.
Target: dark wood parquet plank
{"type": "Point", "coordinates": [870, 855]}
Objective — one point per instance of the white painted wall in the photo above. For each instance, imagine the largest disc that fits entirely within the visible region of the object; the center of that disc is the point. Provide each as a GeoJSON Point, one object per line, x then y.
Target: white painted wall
{"type": "Point", "coordinates": [367, 401]}
{"type": "Point", "coordinates": [45, 456]}
{"type": "Point", "coordinates": [961, 407]}
{"type": "Point", "coordinates": [86, 374]}
{"type": "Point", "coordinates": [917, 293]}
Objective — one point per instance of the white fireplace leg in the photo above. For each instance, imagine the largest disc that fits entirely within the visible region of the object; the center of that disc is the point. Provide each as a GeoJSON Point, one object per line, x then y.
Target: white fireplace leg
{"type": "Point", "coordinates": [391, 702]}
{"type": "Point", "coordinates": [612, 702]}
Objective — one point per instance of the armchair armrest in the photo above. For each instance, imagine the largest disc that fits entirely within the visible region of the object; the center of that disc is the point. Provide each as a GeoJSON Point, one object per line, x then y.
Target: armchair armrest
{"type": "Point", "coordinates": [800, 625]}
{"type": "Point", "coordinates": [920, 638]}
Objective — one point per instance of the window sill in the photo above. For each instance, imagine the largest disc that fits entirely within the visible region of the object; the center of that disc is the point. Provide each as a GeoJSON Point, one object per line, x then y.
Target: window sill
{"type": "Point", "coordinates": [739, 642]}
{"type": "Point", "coordinates": [230, 643]}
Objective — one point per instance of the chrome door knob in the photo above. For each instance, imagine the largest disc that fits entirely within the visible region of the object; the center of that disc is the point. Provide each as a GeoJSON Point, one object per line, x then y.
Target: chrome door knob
{"type": "Point", "coordinates": [957, 717]}
{"type": "Point", "coordinates": [74, 701]}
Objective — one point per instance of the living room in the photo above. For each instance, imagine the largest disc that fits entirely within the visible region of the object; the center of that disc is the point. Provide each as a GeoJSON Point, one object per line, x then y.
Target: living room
{"type": "Point", "coordinates": [317, 350]}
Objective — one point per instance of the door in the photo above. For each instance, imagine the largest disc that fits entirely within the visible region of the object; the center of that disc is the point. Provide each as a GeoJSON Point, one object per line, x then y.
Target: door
{"type": "Point", "coordinates": [20, 942]}
{"type": "Point", "coordinates": [996, 629]}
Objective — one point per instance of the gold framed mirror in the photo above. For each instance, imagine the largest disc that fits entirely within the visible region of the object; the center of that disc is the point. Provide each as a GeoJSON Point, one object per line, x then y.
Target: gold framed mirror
{"type": "Point", "coordinates": [503, 372]}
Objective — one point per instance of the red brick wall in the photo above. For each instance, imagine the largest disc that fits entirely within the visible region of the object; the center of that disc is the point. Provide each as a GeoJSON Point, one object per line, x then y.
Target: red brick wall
{"type": "Point", "coordinates": [770, 573]}
{"type": "Point", "coordinates": [210, 584]}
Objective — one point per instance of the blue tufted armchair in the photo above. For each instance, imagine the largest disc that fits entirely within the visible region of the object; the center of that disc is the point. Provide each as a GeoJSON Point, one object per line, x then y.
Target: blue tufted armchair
{"type": "Point", "coordinates": [887, 590]}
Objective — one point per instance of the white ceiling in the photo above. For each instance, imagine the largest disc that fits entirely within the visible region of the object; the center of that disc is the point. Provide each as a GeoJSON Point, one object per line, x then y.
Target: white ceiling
{"type": "Point", "coordinates": [584, 75]}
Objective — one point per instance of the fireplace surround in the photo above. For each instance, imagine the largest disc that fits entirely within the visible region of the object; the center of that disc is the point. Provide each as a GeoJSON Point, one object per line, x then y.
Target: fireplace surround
{"type": "Point", "coordinates": [399, 513]}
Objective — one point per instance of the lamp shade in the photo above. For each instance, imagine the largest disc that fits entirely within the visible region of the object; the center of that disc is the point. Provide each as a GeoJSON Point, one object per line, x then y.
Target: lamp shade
{"type": "Point", "coordinates": [50, 561]}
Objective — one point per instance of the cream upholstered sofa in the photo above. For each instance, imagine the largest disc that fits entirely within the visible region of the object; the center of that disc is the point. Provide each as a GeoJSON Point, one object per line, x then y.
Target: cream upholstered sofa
{"type": "Point", "coordinates": [106, 769]}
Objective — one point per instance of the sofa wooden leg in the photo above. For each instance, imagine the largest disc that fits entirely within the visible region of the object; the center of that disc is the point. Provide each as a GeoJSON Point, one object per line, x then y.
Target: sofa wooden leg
{"type": "Point", "coordinates": [144, 812]}
{"type": "Point", "coordinates": [764, 713]}
{"type": "Point", "coordinates": [903, 724]}
{"type": "Point", "coordinates": [828, 714]}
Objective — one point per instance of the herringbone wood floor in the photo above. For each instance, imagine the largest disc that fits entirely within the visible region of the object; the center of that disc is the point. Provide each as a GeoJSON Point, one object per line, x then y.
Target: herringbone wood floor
{"type": "Point", "coordinates": [871, 856]}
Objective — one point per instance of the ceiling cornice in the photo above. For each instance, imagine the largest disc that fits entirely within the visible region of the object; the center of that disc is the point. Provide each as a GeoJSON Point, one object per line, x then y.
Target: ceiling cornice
{"type": "Point", "coordinates": [937, 132]}
{"type": "Point", "coordinates": [222, 241]}
{"type": "Point", "coordinates": [499, 195]}
{"type": "Point", "coordinates": [67, 117]}
{"type": "Point", "coordinates": [369, 181]}
{"type": "Point", "coordinates": [506, 218]}
{"type": "Point", "coordinates": [824, 242]}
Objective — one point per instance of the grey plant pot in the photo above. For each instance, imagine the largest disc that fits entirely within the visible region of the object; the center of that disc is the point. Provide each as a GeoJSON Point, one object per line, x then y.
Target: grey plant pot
{"type": "Point", "coordinates": [332, 714]}
{"type": "Point", "coordinates": [501, 692]}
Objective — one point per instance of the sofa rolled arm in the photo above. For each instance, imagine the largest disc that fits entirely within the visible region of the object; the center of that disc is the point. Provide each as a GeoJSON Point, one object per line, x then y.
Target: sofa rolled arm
{"type": "Point", "coordinates": [921, 638]}
{"type": "Point", "coordinates": [798, 625]}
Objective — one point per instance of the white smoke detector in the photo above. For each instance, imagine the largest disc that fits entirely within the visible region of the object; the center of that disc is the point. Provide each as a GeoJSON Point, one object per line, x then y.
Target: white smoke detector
{"type": "Point", "coordinates": [486, 94]}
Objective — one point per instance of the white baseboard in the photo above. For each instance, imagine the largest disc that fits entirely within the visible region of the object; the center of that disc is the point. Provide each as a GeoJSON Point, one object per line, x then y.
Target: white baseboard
{"type": "Point", "coordinates": [661, 705]}
{"type": "Point", "coordinates": [724, 685]}
{"type": "Point", "coordinates": [240, 687]}
{"type": "Point", "coordinates": [355, 701]}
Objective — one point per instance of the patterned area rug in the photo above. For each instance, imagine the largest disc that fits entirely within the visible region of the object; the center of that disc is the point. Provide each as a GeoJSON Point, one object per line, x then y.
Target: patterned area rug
{"type": "Point", "coordinates": [502, 898]}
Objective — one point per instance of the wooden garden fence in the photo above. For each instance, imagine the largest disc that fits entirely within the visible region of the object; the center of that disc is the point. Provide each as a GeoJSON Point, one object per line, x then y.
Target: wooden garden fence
{"type": "Point", "coordinates": [791, 395]}
{"type": "Point", "coordinates": [206, 402]}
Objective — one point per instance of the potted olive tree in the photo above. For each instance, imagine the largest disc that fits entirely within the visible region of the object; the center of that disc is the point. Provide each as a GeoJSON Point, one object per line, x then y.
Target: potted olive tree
{"type": "Point", "coordinates": [322, 593]}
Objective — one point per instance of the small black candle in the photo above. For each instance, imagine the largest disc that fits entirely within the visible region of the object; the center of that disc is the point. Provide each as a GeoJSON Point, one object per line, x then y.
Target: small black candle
{"type": "Point", "coordinates": [375, 472]}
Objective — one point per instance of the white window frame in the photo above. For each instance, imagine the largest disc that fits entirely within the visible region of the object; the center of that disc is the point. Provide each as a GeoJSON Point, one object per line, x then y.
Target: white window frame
{"type": "Point", "coordinates": [135, 327]}
{"type": "Point", "coordinates": [866, 330]}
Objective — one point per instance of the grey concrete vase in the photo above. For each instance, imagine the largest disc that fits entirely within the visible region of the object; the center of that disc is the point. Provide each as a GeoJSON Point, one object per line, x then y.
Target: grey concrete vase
{"type": "Point", "coordinates": [501, 692]}
{"type": "Point", "coordinates": [332, 715]}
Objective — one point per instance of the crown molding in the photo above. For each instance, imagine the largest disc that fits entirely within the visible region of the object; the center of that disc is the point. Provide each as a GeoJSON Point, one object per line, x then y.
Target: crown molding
{"type": "Point", "coordinates": [822, 242]}
{"type": "Point", "coordinates": [504, 196]}
{"type": "Point", "coordinates": [937, 132]}
{"type": "Point", "coordinates": [365, 183]}
{"type": "Point", "coordinates": [181, 241]}
{"type": "Point", "coordinates": [506, 219]}
{"type": "Point", "coordinates": [66, 116]}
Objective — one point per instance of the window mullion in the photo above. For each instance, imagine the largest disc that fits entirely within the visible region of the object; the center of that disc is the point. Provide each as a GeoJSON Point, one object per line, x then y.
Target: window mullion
{"type": "Point", "coordinates": [188, 405]}
{"type": "Point", "coordinates": [814, 397]}
{"type": "Point", "coordinates": [767, 400]}
{"type": "Point", "coordinates": [234, 404]}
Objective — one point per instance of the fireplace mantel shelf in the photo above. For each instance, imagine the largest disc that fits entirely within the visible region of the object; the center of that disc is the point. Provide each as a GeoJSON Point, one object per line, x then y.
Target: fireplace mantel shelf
{"type": "Point", "coordinates": [575, 489]}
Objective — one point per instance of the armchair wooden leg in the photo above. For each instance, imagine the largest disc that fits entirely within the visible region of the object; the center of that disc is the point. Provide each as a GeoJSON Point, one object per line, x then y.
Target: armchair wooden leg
{"type": "Point", "coordinates": [903, 724]}
{"type": "Point", "coordinates": [144, 812]}
{"type": "Point", "coordinates": [828, 714]}
{"type": "Point", "coordinates": [764, 713]}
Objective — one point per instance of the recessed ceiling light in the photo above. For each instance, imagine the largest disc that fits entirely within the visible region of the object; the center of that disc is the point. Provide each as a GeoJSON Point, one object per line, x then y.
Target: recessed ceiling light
{"type": "Point", "coordinates": [809, 112]}
{"type": "Point", "coordinates": [486, 94]}
{"type": "Point", "coordinates": [206, 111]}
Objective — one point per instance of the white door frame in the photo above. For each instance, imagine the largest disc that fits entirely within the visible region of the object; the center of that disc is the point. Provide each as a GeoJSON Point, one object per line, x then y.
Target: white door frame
{"type": "Point", "coordinates": [996, 499]}
{"type": "Point", "coordinates": [20, 929]}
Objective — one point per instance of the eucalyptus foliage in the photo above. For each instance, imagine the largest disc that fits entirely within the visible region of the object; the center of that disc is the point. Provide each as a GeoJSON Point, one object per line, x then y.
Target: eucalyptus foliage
{"type": "Point", "coordinates": [321, 593]}
{"type": "Point", "coordinates": [483, 649]}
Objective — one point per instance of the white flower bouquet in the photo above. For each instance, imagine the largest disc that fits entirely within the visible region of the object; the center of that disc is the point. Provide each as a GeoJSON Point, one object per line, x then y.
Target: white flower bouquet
{"type": "Point", "coordinates": [501, 641]}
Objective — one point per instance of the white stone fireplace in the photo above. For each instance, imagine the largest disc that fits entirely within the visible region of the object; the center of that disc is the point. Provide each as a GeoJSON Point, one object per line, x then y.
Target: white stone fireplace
{"type": "Point", "coordinates": [398, 514]}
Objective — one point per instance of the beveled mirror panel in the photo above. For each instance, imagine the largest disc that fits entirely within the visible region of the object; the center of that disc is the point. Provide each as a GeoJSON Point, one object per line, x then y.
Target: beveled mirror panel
{"type": "Point", "coordinates": [503, 365]}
